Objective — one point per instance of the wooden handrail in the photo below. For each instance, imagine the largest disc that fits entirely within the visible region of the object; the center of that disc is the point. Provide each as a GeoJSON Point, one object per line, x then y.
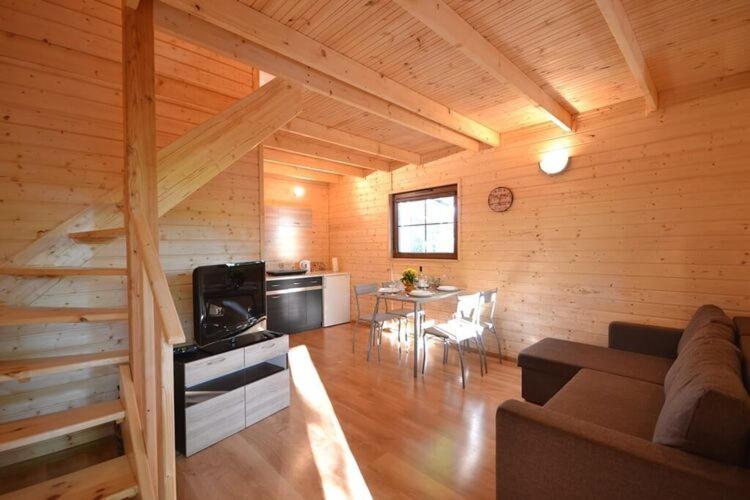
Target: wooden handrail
{"type": "Point", "coordinates": [135, 447]}
{"type": "Point", "coordinates": [172, 327]}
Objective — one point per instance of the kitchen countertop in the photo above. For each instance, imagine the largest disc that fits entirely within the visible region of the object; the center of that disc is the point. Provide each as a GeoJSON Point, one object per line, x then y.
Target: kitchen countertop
{"type": "Point", "coordinates": [306, 275]}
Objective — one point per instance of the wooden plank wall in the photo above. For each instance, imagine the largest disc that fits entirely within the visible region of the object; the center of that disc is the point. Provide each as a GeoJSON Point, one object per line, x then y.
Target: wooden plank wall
{"type": "Point", "coordinates": [61, 148]}
{"type": "Point", "coordinates": [651, 220]}
{"type": "Point", "coordinates": [295, 227]}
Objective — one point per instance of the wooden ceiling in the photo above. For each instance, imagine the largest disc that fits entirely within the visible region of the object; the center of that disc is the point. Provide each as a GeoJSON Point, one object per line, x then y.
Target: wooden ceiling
{"type": "Point", "coordinates": [564, 47]}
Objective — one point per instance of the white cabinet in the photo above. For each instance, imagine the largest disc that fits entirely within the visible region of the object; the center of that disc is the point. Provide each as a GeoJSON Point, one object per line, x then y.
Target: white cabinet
{"type": "Point", "coordinates": [215, 419]}
{"type": "Point", "coordinates": [335, 299]}
{"type": "Point", "coordinates": [217, 395]}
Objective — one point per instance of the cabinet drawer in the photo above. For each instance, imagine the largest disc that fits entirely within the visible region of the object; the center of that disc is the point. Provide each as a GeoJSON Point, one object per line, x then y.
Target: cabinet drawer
{"type": "Point", "coordinates": [262, 351]}
{"type": "Point", "coordinates": [293, 283]}
{"type": "Point", "coordinates": [213, 420]}
{"type": "Point", "coordinates": [266, 396]}
{"type": "Point", "coordinates": [213, 367]}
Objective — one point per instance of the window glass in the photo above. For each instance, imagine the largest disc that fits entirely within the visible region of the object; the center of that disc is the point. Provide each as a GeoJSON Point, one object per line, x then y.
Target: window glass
{"type": "Point", "coordinates": [424, 223]}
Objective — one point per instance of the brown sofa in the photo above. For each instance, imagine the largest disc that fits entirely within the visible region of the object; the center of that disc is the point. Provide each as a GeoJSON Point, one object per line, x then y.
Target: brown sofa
{"type": "Point", "coordinates": [660, 413]}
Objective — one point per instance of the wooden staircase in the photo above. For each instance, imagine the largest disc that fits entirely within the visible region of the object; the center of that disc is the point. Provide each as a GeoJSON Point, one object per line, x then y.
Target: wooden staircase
{"type": "Point", "coordinates": [125, 476]}
{"type": "Point", "coordinates": [32, 430]}
{"type": "Point", "coordinates": [34, 315]}
{"type": "Point", "coordinates": [144, 410]}
{"type": "Point", "coordinates": [111, 479]}
{"type": "Point", "coordinates": [24, 369]}
{"type": "Point", "coordinates": [114, 480]}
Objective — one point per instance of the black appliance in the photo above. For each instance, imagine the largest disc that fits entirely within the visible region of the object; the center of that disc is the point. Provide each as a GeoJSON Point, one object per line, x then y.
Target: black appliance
{"type": "Point", "coordinates": [295, 304]}
{"type": "Point", "coordinates": [228, 299]}
{"type": "Point", "coordinates": [287, 272]}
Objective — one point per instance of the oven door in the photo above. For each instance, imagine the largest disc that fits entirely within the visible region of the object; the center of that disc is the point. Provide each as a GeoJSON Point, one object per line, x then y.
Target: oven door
{"type": "Point", "coordinates": [294, 305]}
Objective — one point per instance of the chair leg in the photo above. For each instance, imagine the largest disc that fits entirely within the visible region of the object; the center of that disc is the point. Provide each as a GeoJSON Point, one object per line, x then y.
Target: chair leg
{"type": "Point", "coordinates": [481, 356]}
{"type": "Point", "coordinates": [445, 352]}
{"type": "Point", "coordinates": [482, 352]}
{"type": "Point", "coordinates": [380, 339]}
{"type": "Point", "coordinates": [497, 338]}
{"type": "Point", "coordinates": [371, 340]}
{"type": "Point", "coordinates": [399, 339]}
{"type": "Point", "coordinates": [461, 359]}
{"type": "Point", "coordinates": [424, 352]}
{"type": "Point", "coordinates": [354, 336]}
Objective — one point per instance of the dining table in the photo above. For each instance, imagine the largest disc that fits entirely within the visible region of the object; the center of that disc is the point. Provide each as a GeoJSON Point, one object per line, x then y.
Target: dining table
{"type": "Point", "coordinates": [418, 304]}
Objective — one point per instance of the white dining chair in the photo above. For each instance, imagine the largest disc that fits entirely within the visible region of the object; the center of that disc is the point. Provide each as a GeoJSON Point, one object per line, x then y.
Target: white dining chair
{"type": "Point", "coordinates": [375, 320]}
{"type": "Point", "coordinates": [487, 304]}
{"type": "Point", "coordinates": [460, 330]}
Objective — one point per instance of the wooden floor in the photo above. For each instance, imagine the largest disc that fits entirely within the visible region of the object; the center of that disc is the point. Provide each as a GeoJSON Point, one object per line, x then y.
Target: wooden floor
{"type": "Point", "coordinates": [423, 438]}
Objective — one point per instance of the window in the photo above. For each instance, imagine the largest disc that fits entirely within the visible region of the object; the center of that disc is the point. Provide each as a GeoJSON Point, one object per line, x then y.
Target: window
{"type": "Point", "coordinates": [424, 223]}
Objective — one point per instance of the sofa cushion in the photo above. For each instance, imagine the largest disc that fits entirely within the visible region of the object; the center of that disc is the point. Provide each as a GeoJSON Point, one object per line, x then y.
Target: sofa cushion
{"type": "Point", "coordinates": [708, 320]}
{"type": "Point", "coordinates": [706, 409]}
{"type": "Point", "coordinates": [742, 325]}
{"type": "Point", "coordinates": [619, 403]}
{"type": "Point", "coordinates": [745, 354]}
{"type": "Point", "coordinates": [564, 358]}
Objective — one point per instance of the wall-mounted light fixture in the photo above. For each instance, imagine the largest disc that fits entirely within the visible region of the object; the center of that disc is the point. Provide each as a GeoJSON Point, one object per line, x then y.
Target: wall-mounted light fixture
{"type": "Point", "coordinates": [299, 191]}
{"type": "Point", "coordinates": [554, 162]}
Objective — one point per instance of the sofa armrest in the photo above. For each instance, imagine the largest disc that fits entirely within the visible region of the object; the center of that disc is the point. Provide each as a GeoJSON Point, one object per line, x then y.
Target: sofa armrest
{"type": "Point", "coordinates": [542, 453]}
{"type": "Point", "coordinates": [644, 339]}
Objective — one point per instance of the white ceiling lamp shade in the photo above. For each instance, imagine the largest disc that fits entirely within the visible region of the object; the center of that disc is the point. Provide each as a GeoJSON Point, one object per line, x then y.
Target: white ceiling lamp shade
{"type": "Point", "coordinates": [554, 162]}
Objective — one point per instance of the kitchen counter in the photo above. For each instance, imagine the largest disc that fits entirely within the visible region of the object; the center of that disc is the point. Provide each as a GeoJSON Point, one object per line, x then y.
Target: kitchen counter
{"type": "Point", "coordinates": [306, 275]}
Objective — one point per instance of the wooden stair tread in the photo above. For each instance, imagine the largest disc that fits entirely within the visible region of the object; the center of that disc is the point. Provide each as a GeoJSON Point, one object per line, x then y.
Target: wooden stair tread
{"type": "Point", "coordinates": [17, 433]}
{"type": "Point", "coordinates": [23, 369]}
{"type": "Point", "coordinates": [97, 235]}
{"type": "Point", "coordinates": [63, 271]}
{"type": "Point", "coordinates": [32, 315]}
{"type": "Point", "coordinates": [113, 480]}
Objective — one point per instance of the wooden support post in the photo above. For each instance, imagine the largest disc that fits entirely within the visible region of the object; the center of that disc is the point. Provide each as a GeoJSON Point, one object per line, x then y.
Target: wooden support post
{"type": "Point", "coordinates": [262, 201]}
{"type": "Point", "coordinates": [140, 194]}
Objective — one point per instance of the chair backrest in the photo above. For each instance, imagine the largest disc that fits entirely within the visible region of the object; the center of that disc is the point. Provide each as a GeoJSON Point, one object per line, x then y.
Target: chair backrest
{"type": "Point", "coordinates": [487, 303]}
{"type": "Point", "coordinates": [467, 308]}
{"type": "Point", "coordinates": [363, 289]}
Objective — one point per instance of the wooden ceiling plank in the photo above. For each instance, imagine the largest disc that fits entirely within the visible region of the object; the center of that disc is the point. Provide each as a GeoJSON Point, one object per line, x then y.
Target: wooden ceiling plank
{"type": "Point", "coordinates": [300, 173]}
{"type": "Point", "coordinates": [339, 137]}
{"type": "Point", "coordinates": [617, 20]}
{"type": "Point", "coordinates": [451, 27]}
{"type": "Point", "coordinates": [318, 149]}
{"type": "Point", "coordinates": [298, 160]}
{"type": "Point", "coordinates": [279, 50]}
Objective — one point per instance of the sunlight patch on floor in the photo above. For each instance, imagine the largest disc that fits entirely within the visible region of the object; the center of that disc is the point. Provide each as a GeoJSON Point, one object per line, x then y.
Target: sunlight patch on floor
{"type": "Point", "coordinates": [340, 475]}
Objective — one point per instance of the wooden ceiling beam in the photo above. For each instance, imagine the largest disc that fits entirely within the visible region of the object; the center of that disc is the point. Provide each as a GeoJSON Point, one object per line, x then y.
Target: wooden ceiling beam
{"type": "Point", "coordinates": [302, 161]}
{"type": "Point", "coordinates": [452, 28]}
{"type": "Point", "coordinates": [617, 20]}
{"type": "Point", "coordinates": [341, 138]}
{"type": "Point", "coordinates": [205, 151]}
{"type": "Point", "coordinates": [300, 173]}
{"type": "Point", "coordinates": [318, 149]}
{"type": "Point", "coordinates": [215, 27]}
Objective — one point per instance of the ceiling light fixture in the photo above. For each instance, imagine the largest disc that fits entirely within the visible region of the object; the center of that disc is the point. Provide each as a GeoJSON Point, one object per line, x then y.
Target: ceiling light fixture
{"type": "Point", "coordinates": [554, 162]}
{"type": "Point", "coordinates": [299, 191]}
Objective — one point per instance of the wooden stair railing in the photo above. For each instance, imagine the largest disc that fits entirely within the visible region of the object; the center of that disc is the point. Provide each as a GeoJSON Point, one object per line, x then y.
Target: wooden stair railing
{"type": "Point", "coordinates": [133, 436]}
{"type": "Point", "coordinates": [170, 320]}
{"type": "Point", "coordinates": [163, 465]}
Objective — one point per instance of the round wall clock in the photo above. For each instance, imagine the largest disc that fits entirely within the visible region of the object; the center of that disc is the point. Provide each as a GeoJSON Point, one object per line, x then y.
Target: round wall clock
{"type": "Point", "coordinates": [500, 199]}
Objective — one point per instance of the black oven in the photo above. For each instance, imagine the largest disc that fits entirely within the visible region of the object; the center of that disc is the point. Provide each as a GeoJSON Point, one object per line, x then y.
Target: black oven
{"type": "Point", "coordinates": [294, 304]}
